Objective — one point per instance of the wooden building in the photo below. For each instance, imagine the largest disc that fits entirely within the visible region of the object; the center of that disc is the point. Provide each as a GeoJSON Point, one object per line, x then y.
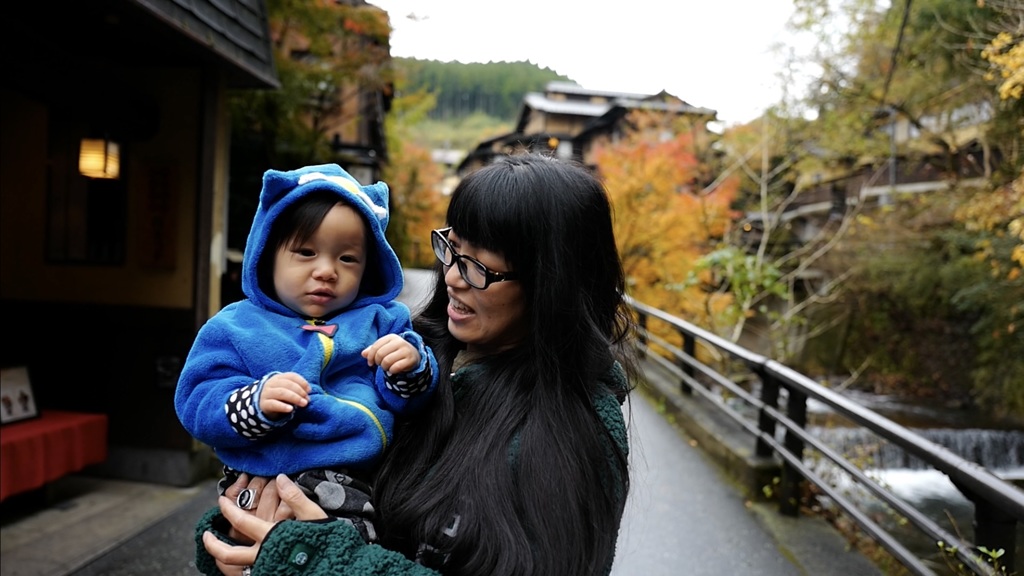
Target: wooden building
{"type": "Point", "coordinates": [113, 189]}
{"type": "Point", "coordinates": [570, 121]}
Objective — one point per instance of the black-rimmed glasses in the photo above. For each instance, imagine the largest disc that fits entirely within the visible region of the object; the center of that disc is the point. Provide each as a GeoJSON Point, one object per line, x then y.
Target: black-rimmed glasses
{"type": "Point", "coordinates": [472, 270]}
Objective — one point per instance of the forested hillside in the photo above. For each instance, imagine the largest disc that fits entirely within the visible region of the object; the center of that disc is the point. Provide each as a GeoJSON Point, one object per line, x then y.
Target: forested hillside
{"type": "Point", "coordinates": [495, 89]}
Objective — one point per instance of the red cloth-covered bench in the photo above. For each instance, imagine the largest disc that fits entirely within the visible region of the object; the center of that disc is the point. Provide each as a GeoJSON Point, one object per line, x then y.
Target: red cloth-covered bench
{"type": "Point", "coordinates": [35, 452]}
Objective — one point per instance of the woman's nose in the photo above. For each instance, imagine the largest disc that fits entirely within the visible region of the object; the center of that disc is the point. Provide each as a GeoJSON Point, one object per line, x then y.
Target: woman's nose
{"type": "Point", "coordinates": [453, 277]}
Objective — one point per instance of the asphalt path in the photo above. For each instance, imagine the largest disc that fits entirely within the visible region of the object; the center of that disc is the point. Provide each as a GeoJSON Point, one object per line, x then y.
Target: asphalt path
{"type": "Point", "coordinates": [682, 515]}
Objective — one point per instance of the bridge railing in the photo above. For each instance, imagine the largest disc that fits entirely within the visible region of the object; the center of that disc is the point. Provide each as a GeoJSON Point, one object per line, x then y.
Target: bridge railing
{"type": "Point", "coordinates": [998, 504]}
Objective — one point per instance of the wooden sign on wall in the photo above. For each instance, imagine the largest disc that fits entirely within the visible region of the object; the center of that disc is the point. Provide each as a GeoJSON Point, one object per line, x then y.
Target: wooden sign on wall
{"type": "Point", "coordinates": [17, 399]}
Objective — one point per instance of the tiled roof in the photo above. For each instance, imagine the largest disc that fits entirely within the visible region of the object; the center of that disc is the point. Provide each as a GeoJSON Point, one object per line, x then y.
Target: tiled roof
{"type": "Point", "coordinates": [542, 103]}
{"type": "Point", "coordinates": [576, 89]}
{"type": "Point", "coordinates": [581, 107]}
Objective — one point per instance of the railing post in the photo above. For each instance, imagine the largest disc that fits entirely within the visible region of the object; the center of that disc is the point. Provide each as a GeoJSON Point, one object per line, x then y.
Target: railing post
{"type": "Point", "coordinates": [689, 347]}
{"type": "Point", "coordinates": [994, 529]}
{"type": "Point", "coordinates": [765, 423]}
{"type": "Point", "coordinates": [789, 488]}
{"type": "Point", "coordinates": [641, 321]}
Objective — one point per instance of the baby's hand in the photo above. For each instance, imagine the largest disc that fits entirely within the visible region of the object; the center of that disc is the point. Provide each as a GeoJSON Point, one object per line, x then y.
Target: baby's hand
{"type": "Point", "coordinates": [282, 393]}
{"type": "Point", "coordinates": [392, 353]}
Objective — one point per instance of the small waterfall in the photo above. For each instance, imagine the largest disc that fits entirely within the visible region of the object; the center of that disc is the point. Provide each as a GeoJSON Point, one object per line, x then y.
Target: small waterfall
{"type": "Point", "coordinates": [996, 450]}
{"type": "Point", "coordinates": [916, 483]}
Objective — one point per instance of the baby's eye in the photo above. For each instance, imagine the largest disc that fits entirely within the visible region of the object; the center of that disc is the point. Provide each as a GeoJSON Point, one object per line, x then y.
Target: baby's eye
{"type": "Point", "coordinates": [349, 259]}
{"type": "Point", "coordinates": [304, 252]}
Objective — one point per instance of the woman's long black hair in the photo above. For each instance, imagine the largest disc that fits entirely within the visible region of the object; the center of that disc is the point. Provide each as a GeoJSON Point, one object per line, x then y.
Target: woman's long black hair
{"type": "Point", "coordinates": [520, 468]}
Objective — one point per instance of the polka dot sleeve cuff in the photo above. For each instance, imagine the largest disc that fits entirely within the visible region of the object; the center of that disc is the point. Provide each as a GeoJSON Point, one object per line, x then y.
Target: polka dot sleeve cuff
{"type": "Point", "coordinates": [408, 385]}
{"type": "Point", "coordinates": [242, 410]}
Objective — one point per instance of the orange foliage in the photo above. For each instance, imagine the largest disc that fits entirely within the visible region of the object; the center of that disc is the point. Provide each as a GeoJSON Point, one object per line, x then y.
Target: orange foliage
{"type": "Point", "coordinates": [665, 218]}
{"type": "Point", "coordinates": [417, 204]}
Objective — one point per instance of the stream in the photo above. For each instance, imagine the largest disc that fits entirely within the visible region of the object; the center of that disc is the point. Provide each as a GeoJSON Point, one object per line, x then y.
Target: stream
{"type": "Point", "coordinates": [997, 447]}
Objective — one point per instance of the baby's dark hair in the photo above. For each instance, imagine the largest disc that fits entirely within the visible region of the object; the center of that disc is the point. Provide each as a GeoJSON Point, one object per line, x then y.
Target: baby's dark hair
{"type": "Point", "coordinates": [296, 224]}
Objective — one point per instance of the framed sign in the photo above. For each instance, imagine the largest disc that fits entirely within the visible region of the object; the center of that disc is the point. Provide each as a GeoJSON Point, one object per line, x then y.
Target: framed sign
{"type": "Point", "coordinates": [17, 400]}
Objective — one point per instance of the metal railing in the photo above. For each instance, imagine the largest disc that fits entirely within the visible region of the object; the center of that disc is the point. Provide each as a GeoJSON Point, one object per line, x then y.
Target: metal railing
{"type": "Point", "coordinates": [999, 505]}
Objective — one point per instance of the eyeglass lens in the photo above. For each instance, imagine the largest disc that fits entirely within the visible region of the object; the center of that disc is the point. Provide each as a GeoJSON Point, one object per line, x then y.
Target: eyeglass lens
{"type": "Point", "coordinates": [472, 272]}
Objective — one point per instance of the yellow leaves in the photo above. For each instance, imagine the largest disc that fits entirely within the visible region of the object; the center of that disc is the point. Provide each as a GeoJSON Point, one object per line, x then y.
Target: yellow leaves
{"type": "Point", "coordinates": [1006, 55]}
{"type": "Point", "coordinates": [1018, 255]}
{"type": "Point", "coordinates": [865, 220]}
{"type": "Point", "coordinates": [999, 212]}
{"type": "Point", "coordinates": [1016, 227]}
{"type": "Point", "coordinates": [1001, 207]}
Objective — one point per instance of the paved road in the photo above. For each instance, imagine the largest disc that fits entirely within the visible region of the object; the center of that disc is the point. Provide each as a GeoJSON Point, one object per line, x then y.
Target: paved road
{"type": "Point", "coordinates": [417, 288]}
{"type": "Point", "coordinates": [682, 516]}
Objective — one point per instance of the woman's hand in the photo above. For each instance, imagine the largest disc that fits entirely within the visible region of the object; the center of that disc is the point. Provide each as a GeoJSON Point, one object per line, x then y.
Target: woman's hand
{"type": "Point", "coordinates": [266, 502]}
{"type": "Point", "coordinates": [279, 499]}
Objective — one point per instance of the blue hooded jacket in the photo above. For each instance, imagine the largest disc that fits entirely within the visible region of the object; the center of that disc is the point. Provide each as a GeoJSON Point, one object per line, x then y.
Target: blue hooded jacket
{"type": "Point", "coordinates": [349, 419]}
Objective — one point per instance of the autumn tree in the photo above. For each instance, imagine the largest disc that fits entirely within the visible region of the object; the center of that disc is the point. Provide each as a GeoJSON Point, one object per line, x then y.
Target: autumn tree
{"type": "Point", "coordinates": [1006, 55]}
{"type": "Point", "coordinates": [327, 53]}
{"type": "Point", "coordinates": [415, 180]}
{"type": "Point", "coordinates": [911, 72]}
{"type": "Point", "coordinates": [669, 210]}
{"type": "Point", "coordinates": [773, 261]}
{"type": "Point", "coordinates": [932, 301]}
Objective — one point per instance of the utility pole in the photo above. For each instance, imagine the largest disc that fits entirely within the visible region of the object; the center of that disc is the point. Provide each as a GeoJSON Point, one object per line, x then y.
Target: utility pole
{"type": "Point", "coordinates": [886, 198]}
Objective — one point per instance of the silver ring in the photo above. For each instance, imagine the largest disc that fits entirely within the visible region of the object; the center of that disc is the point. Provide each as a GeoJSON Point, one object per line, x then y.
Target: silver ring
{"type": "Point", "coordinates": [246, 570]}
{"type": "Point", "coordinates": [246, 498]}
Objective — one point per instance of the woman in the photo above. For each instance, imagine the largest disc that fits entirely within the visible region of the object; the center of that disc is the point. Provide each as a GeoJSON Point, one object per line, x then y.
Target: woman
{"type": "Point", "coordinates": [519, 464]}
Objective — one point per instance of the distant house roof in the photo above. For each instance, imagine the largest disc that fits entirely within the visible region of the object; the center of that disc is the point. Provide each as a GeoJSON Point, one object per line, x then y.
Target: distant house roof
{"type": "Point", "coordinates": [595, 111]}
{"type": "Point", "coordinates": [576, 89]}
{"type": "Point", "coordinates": [447, 157]}
{"type": "Point", "coordinates": [574, 100]}
{"type": "Point", "coordinates": [665, 102]}
{"type": "Point", "coordinates": [542, 103]}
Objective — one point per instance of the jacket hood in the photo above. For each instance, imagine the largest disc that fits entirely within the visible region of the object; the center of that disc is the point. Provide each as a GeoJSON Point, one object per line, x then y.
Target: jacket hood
{"type": "Point", "coordinates": [282, 189]}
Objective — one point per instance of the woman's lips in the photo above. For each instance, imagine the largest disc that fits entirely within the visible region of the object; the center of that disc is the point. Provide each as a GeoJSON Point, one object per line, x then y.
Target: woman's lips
{"type": "Point", "coordinates": [457, 310]}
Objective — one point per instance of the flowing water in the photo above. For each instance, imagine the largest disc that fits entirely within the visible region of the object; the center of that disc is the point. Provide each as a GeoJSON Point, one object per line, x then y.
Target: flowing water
{"type": "Point", "coordinates": [997, 447]}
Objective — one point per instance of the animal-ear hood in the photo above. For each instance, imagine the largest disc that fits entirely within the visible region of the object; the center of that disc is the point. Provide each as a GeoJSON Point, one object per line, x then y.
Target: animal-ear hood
{"type": "Point", "coordinates": [282, 189]}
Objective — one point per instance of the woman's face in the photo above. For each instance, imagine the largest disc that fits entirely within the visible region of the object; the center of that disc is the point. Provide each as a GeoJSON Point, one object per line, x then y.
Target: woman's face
{"type": "Point", "coordinates": [489, 320]}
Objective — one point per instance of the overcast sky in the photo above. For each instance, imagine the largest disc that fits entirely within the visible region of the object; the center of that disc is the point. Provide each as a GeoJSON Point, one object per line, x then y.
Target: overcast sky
{"type": "Point", "coordinates": [711, 53]}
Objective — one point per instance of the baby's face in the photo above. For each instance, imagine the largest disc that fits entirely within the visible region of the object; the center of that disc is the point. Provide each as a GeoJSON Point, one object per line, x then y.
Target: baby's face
{"type": "Point", "coordinates": [322, 275]}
